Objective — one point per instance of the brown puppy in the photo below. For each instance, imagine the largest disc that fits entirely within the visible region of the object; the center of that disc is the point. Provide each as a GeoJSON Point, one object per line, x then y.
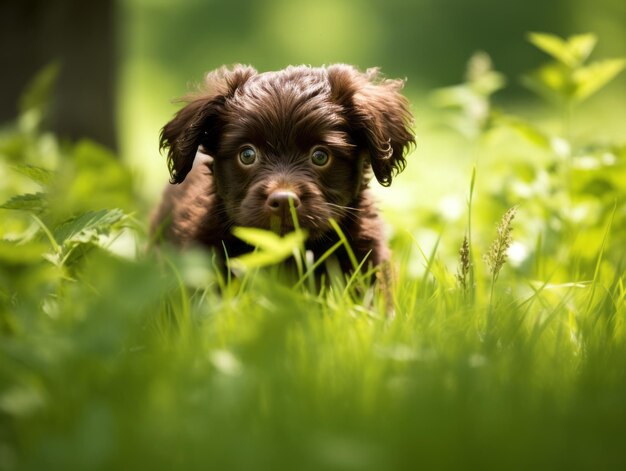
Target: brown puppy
{"type": "Point", "coordinates": [305, 136]}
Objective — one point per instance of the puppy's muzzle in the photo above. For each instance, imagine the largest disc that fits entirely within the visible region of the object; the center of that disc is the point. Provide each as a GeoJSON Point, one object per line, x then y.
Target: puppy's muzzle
{"type": "Point", "coordinates": [278, 204]}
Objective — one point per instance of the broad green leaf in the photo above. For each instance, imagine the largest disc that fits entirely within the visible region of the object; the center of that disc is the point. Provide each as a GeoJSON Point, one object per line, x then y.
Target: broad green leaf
{"type": "Point", "coordinates": [592, 78]}
{"type": "Point", "coordinates": [84, 227]}
{"type": "Point", "coordinates": [77, 250]}
{"type": "Point", "coordinates": [260, 238]}
{"type": "Point", "coordinates": [527, 130]}
{"type": "Point", "coordinates": [554, 46]}
{"type": "Point", "coordinates": [272, 248]}
{"type": "Point", "coordinates": [294, 239]}
{"type": "Point", "coordinates": [34, 202]}
{"type": "Point", "coordinates": [39, 91]}
{"type": "Point", "coordinates": [581, 46]}
{"type": "Point", "coordinates": [37, 174]}
{"type": "Point", "coordinates": [551, 81]}
{"type": "Point", "coordinates": [259, 259]}
{"type": "Point", "coordinates": [268, 240]}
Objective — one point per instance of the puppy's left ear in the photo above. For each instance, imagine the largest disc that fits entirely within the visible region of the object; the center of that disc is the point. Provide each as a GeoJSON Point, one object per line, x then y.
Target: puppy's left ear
{"type": "Point", "coordinates": [199, 122]}
{"type": "Point", "coordinates": [378, 114]}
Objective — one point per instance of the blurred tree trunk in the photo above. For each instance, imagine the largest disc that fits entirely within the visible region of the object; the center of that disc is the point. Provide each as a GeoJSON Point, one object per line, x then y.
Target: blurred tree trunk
{"type": "Point", "coordinates": [80, 36]}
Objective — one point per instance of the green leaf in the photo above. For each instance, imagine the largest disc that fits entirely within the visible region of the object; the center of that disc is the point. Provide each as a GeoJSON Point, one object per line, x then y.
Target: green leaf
{"type": "Point", "coordinates": [262, 239]}
{"type": "Point", "coordinates": [592, 78]}
{"type": "Point", "coordinates": [581, 46]}
{"type": "Point", "coordinates": [39, 175]}
{"type": "Point", "coordinates": [527, 130]}
{"type": "Point", "coordinates": [294, 240]}
{"type": "Point", "coordinates": [552, 81]}
{"type": "Point", "coordinates": [272, 248]}
{"type": "Point", "coordinates": [554, 46]}
{"type": "Point", "coordinates": [34, 202]}
{"type": "Point", "coordinates": [472, 181]}
{"type": "Point", "coordinates": [258, 259]}
{"type": "Point", "coordinates": [83, 228]}
{"type": "Point", "coordinates": [38, 93]}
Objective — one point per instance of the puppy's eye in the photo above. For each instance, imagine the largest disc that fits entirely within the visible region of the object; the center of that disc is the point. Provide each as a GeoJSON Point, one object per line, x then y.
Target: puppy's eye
{"type": "Point", "coordinates": [247, 156]}
{"type": "Point", "coordinates": [319, 157]}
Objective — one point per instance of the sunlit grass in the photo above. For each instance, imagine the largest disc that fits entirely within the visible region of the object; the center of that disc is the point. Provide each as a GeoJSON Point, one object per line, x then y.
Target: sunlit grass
{"type": "Point", "coordinates": [141, 368]}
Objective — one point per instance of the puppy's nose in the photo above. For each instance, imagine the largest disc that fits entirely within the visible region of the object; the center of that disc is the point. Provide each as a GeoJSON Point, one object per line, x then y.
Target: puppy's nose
{"type": "Point", "coordinates": [278, 201]}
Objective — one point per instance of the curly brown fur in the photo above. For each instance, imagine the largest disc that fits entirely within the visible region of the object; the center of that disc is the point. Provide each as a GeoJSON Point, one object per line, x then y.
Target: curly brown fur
{"type": "Point", "coordinates": [249, 143]}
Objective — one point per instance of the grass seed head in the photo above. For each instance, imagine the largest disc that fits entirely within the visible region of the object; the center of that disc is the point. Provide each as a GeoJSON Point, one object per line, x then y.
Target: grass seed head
{"type": "Point", "coordinates": [464, 264]}
{"type": "Point", "coordinates": [496, 257]}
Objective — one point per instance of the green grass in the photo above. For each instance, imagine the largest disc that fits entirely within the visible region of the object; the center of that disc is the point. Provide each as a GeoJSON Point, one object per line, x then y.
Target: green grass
{"type": "Point", "coordinates": [128, 368]}
{"type": "Point", "coordinates": [115, 356]}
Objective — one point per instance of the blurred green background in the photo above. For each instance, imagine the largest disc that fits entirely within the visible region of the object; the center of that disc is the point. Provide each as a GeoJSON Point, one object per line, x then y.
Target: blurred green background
{"type": "Point", "coordinates": [122, 62]}
{"type": "Point", "coordinates": [167, 45]}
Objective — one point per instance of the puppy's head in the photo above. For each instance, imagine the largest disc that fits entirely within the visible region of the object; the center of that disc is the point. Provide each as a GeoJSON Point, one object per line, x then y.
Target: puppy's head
{"type": "Point", "coordinates": [302, 138]}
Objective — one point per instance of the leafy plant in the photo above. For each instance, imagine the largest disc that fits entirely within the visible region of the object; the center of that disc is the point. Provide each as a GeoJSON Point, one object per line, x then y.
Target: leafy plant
{"type": "Point", "coordinates": [569, 80]}
{"type": "Point", "coordinates": [271, 248]}
{"type": "Point", "coordinates": [470, 101]}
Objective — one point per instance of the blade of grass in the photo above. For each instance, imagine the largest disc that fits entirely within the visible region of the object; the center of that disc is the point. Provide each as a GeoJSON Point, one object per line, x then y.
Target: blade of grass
{"type": "Point", "coordinates": [185, 314]}
{"type": "Point", "coordinates": [596, 273]}
{"type": "Point", "coordinates": [48, 234]}
{"type": "Point", "coordinates": [470, 200]}
{"type": "Point", "coordinates": [428, 259]}
{"type": "Point", "coordinates": [346, 244]}
{"type": "Point", "coordinates": [355, 274]}
{"type": "Point", "coordinates": [311, 270]}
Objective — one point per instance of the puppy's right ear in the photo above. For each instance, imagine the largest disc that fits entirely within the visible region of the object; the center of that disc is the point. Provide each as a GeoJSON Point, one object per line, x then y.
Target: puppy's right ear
{"type": "Point", "coordinates": [199, 121]}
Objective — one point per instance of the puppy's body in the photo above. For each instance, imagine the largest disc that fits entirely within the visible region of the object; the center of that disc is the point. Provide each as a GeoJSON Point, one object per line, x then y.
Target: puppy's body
{"type": "Point", "coordinates": [303, 139]}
